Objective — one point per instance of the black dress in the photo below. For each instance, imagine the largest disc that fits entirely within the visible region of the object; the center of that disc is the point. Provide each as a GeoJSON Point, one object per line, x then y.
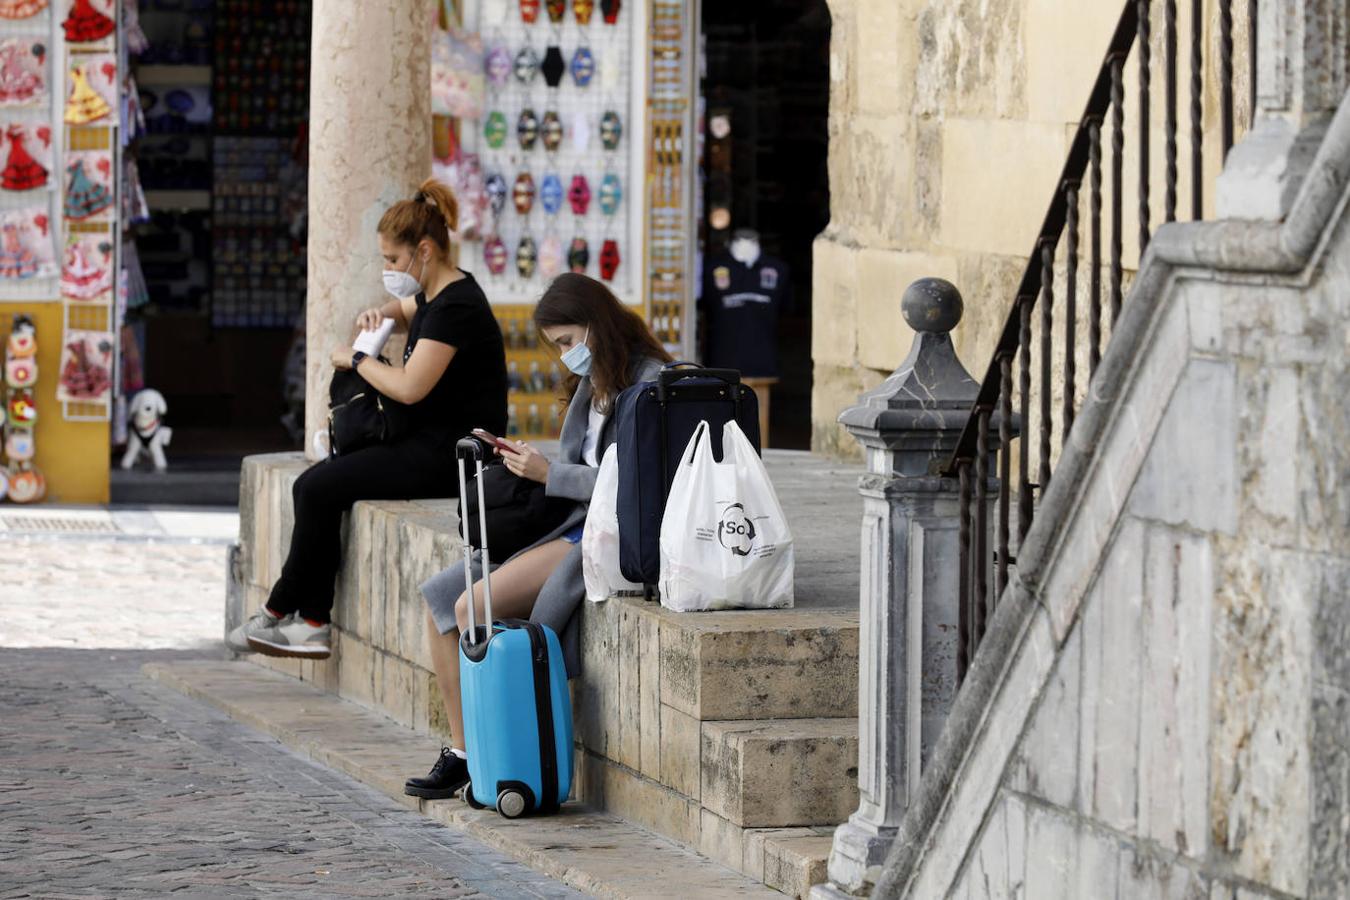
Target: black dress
{"type": "Point", "coordinates": [471, 393]}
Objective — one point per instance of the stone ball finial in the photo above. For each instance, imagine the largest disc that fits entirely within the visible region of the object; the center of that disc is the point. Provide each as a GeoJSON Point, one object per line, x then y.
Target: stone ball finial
{"type": "Point", "coordinates": [933, 305]}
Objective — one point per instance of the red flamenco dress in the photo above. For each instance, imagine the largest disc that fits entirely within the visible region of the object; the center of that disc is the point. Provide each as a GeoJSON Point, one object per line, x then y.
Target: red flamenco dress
{"type": "Point", "coordinates": [22, 172]}
{"type": "Point", "coordinates": [16, 260]}
{"type": "Point", "coordinates": [85, 24]}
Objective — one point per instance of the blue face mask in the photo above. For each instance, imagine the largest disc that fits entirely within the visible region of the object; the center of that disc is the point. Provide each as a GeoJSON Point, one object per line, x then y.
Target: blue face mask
{"type": "Point", "coordinates": [578, 359]}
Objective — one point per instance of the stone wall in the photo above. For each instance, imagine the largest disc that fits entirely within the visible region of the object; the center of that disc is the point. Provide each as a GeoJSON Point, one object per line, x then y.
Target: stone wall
{"type": "Point", "coordinates": [949, 123]}
{"type": "Point", "coordinates": [1162, 705]}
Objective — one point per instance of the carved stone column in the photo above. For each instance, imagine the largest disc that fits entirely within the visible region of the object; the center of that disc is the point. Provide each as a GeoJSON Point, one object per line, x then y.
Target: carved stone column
{"type": "Point", "coordinates": [369, 145]}
{"type": "Point", "coordinates": [907, 675]}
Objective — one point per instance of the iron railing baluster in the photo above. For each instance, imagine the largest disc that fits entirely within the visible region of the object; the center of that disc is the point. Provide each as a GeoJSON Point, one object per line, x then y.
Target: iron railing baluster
{"type": "Point", "coordinates": [1070, 309]}
{"type": "Point", "coordinates": [1047, 351]}
{"type": "Point", "coordinates": [965, 645]}
{"type": "Point", "coordinates": [980, 596]}
{"type": "Point", "coordinates": [1004, 468]}
{"type": "Point", "coordinates": [1170, 65]}
{"type": "Point", "coordinates": [1095, 316]}
{"type": "Point", "coordinates": [1145, 74]}
{"type": "Point", "coordinates": [1226, 72]}
{"type": "Point", "coordinates": [1025, 501]}
{"type": "Point", "coordinates": [1197, 111]}
{"type": "Point", "coordinates": [1251, 59]}
{"type": "Point", "coordinates": [1117, 180]}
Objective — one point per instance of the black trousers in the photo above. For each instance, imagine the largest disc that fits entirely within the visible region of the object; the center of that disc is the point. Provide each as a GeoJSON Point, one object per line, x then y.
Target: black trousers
{"type": "Point", "coordinates": [409, 470]}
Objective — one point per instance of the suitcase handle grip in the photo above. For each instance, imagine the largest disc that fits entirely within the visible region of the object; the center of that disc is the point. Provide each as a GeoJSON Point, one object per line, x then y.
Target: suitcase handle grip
{"type": "Point", "coordinates": [469, 448]}
{"type": "Point", "coordinates": [674, 372]}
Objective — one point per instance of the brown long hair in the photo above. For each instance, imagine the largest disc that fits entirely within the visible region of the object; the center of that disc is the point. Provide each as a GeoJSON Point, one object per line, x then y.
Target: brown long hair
{"type": "Point", "coordinates": [617, 334]}
{"type": "Point", "coordinates": [432, 214]}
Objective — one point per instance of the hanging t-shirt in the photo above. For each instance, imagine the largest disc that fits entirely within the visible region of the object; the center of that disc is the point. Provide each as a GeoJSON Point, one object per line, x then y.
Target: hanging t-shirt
{"type": "Point", "coordinates": [740, 305]}
{"type": "Point", "coordinates": [590, 446]}
{"type": "Point", "coordinates": [472, 391]}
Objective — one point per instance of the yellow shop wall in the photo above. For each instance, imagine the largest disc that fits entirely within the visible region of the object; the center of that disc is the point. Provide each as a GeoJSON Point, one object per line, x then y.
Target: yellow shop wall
{"type": "Point", "coordinates": [72, 455]}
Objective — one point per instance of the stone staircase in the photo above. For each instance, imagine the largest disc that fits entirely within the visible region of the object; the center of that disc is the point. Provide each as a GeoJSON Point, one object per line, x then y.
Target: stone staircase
{"type": "Point", "coordinates": [734, 733]}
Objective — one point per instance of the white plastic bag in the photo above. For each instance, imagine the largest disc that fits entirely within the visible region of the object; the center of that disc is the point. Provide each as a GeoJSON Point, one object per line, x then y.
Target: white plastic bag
{"type": "Point", "coordinates": [725, 542]}
{"type": "Point", "coordinates": [600, 540]}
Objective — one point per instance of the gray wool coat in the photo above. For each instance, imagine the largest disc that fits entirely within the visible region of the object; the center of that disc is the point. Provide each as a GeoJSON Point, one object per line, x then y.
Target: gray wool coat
{"type": "Point", "coordinates": [560, 599]}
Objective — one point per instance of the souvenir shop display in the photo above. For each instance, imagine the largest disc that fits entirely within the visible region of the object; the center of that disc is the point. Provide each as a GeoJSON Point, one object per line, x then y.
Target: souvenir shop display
{"type": "Point", "coordinates": [89, 189]}
{"type": "Point", "coordinates": [87, 21]}
{"type": "Point", "coordinates": [86, 367]}
{"type": "Point", "coordinates": [21, 9]}
{"type": "Point", "coordinates": [583, 66]}
{"type": "Point", "coordinates": [93, 89]}
{"type": "Point", "coordinates": [26, 484]}
{"type": "Point", "coordinates": [579, 195]}
{"type": "Point", "coordinates": [551, 193]}
{"type": "Point", "coordinates": [578, 255]}
{"type": "Point", "coordinates": [23, 72]}
{"type": "Point", "coordinates": [609, 259]}
{"type": "Point", "coordinates": [30, 158]}
{"type": "Point", "coordinates": [551, 257]}
{"type": "Point", "coordinates": [523, 193]}
{"type": "Point", "coordinates": [552, 130]}
{"type": "Point", "coordinates": [526, 257]}
{"type": "Point", "coordinates": [260, 68]}
{"type": "Point", "coordinates": [86, 268]}
{"type": "Point", "coordinates": [498, 66]}
{"type": "Point", "coordinates": [582, 9]}
{"type": "Point", "coordinates": [457, 74]}
{"type": "Point", "coordinates": [27, 249]}
{"type": "Point", "coordinates": [553, 66]}
{"type": "Point", "coordinates": [20, 479]}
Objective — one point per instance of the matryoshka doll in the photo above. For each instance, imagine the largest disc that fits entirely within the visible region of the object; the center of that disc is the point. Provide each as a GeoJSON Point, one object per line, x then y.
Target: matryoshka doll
{"type": "Point", "coordinates": [23, 337]}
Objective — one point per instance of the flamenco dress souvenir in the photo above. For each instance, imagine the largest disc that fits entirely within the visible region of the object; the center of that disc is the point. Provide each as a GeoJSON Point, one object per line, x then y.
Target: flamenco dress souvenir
{"type": "Point", "coordinates": [495, 187]}
{"type": "Point", "coordinates": [583, 66]}
{"type": "Point", "coordinates": [494, 130]}
{"type": "Point", "coordinates": [498, 66]}
{"type": "Point", "coordinates": [523, 193]}
{"type": "Point", "coordinates": [22, 411]}
{"type": "Point", "coordinates": [526, 65]}
{"type": "Point", "coordinates": [22, 172]}
{"type": "Point", "coordinates": [609, 260]}
{"type": "Point", "coordinates": [26, 484]}
{"type": "Point", "coordinates": [494, 255]}
{"type": "Point", "coordinates": [529, 11]}
{"type": "Point", "coordinates": [610, 10]}
{"type": "Point", "coordinates": [611, 130]}
{"type": "Point", "coordinates": [83, 278]}
{"type": "Point", "coordinates": [16, 260]}
{"type": "Point", "coordinates": [21, 372]}
{"type": "Point", "coordinates": [19, 444]}
{"type": "Point", "coordinates": [579, 195]}
{"type": "Point", "coordinates": [551, 193]}
{"type": "Point", "coordinates": [578, 255]}
{"type": "Point", "coordinates": [555, 9]}
{"type": "Point", "coordinates": [551, 257]}
{"type": "Point", "coordinates": [582, 9]}
{"type": "Point", "coordinates": [553, 66]}
{"type": "Point", "coordinates": [526, 257]}
{"type": "Point", "coordinates": [21, 9]}
{"type": "Point", "coordinates": [19, 84]}
{"type": "Point", "coordinates": [611, 193]}
{"type": "Point", "coordinates": [85, 104]}
{"type": "Point", "coordinates": [85, 24]}
{"type": "Point", "coordinates": [527, 129]}
{"type": "Point", "coordinates": [552, 131]}
{"type": "Point", "coordinates": [84, 197]}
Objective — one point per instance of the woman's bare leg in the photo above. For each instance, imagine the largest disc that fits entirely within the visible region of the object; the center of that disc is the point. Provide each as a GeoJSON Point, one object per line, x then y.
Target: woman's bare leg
{"type": "Point", "coordinates": [515, 587]}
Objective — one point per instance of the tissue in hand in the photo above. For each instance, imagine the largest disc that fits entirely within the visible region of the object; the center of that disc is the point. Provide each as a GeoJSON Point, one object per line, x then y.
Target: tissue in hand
{"type": "Point", "coordinates": [372, 342]}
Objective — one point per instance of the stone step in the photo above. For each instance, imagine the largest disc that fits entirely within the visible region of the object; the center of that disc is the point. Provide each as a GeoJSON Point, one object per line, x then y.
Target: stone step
{"type": "Point", "coordinates": [593, 852]}
{"type": "Point", "coordinates": [782, 772]}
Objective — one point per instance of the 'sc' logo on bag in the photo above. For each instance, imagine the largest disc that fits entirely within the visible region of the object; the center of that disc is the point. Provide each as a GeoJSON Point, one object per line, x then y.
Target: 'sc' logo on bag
{"type": "Point", "coordinates": [736, 532]}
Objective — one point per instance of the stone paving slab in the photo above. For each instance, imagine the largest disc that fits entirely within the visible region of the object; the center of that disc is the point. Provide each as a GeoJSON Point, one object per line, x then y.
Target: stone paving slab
{"type": "Point", "coordinates": [597, 853]}
{"type": "Point", "coordinates": [112, 785]}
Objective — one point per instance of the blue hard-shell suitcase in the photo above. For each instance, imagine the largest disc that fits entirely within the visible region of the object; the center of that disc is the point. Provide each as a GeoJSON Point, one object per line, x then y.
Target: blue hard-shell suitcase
{"type": "Point", "coordinates": [513, 686]}
{"type": "Point", "coordinates": [654, 422]}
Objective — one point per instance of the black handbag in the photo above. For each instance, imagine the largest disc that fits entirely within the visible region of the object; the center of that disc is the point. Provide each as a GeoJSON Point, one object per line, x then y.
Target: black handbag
{"type": "Point", "coordinates": [360, 416]}
{"type": "Point", "coordinates": [519, 512]}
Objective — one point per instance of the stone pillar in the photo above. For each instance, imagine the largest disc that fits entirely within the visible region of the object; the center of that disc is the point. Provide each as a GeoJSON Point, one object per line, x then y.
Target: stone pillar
{"type": "Point", "coordinates": [1302, 75]}
{"type": "Point", "coordinates": [909, 595]}
{"type": "Point", "coordinates": [369, 145]}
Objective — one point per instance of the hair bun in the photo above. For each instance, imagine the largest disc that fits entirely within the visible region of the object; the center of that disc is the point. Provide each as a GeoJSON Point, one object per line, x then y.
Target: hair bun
{"type": "Point", "coordinates": [420, 197]}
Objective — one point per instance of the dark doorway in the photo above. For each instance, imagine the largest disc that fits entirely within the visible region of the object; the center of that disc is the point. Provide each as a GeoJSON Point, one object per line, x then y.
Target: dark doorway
{"type": "Point", "coordinates": [766, 76]}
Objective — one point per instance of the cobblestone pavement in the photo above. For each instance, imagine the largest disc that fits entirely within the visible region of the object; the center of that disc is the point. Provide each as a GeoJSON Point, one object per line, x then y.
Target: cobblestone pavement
{"type": "Point", "coordinates": [113, 786]}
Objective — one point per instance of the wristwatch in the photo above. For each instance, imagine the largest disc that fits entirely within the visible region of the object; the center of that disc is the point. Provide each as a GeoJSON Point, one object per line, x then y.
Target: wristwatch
{"type": "Point", "coordinates": [357, 357]}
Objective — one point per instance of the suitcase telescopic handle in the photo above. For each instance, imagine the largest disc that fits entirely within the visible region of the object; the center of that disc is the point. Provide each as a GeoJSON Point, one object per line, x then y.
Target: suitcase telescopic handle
{"type": "Point", "coordinates": [465, 449]}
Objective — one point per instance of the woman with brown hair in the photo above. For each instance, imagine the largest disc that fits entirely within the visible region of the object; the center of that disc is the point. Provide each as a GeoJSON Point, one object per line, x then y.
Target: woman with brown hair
{"type": "Point", "coordinates": [606, 348]}
{"type": "Point", "coordinates": [453, 379]}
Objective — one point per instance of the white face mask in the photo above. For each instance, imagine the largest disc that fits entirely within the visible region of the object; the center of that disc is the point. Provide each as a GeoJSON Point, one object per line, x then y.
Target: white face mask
{"type": "Point", "coordinates": [578, 359]}
{"type": "Point", "coordinates": [402, 284]}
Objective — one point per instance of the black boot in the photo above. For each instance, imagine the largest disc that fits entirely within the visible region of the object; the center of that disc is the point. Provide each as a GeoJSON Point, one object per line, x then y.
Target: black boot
{"type": "Point", "coordinates": [447, 777]}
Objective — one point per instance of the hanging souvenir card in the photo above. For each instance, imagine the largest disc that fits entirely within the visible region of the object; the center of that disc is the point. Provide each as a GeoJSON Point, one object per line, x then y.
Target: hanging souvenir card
{"type": "Point", "coordinates": [93, 89]}
{"type": "Point", "coordinates": [28, 156]}
{"type": "Point", "coordinates": [86, 367]}
{"type": "Point", "coordinates": [89, 187]}
{"type": "Point", "coordinates": [88, 21]}
{"type": "Point", "coordinates": [21, 9]}
{"type": "Point", "coordinates": [86, 268]}
{"type": "Point", "coordinates": [26, 247]}
{"type": "Point", "coordinates": [23, 72]}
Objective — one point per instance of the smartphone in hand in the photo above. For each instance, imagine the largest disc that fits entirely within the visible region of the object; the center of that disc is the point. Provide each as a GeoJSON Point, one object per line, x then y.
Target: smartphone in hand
{"type": "Point", "coordinates": [492, 440]}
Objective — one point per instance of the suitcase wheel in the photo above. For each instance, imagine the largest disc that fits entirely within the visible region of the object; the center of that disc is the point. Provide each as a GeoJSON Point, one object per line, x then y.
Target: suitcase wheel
{"type": "Point", "coordinates": [510, 804]}
{"type": "Point", "coordinates": [468, 798]}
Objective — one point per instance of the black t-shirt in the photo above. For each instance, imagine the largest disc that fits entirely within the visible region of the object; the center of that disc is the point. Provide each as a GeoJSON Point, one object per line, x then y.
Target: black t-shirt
{"type": "Point", "coordinates": [740, 304]}
{"type": "Point", "coordinates": [472, 391]}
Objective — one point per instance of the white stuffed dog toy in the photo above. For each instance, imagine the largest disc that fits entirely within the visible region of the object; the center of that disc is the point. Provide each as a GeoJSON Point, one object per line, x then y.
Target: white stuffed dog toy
{"type": "Point", "coordinates": [148, 432]}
